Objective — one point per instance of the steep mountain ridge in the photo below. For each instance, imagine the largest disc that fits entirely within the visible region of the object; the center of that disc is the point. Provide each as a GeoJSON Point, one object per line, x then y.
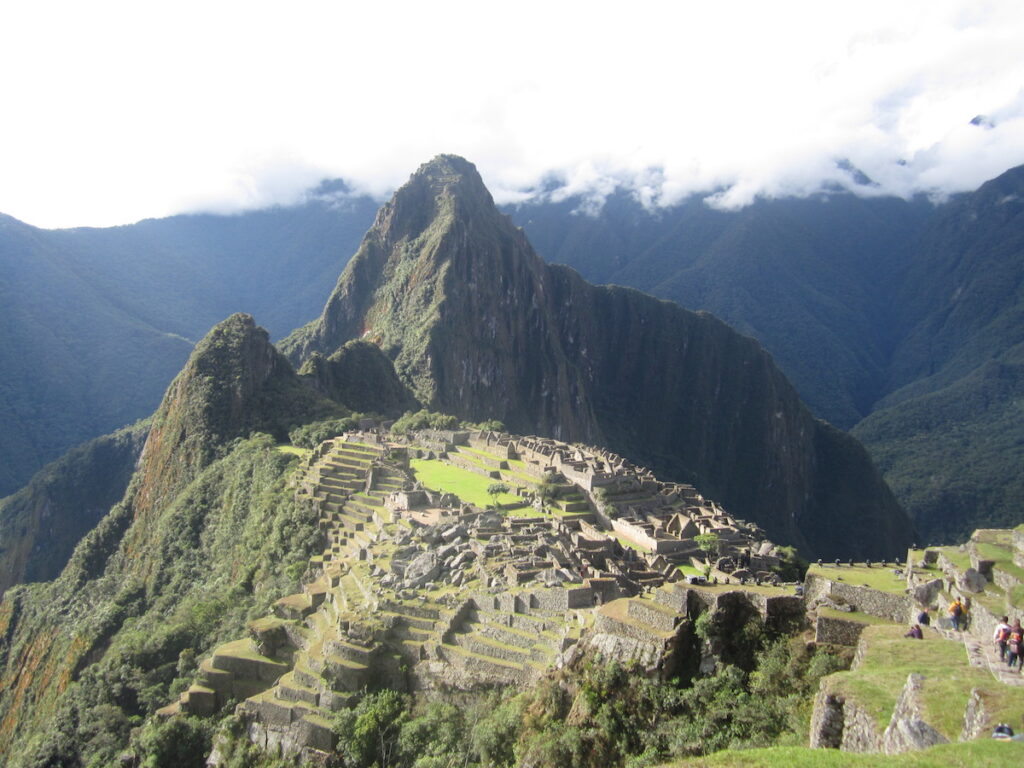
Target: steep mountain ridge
{"type": "Point", "coordinates": [799, 275]}
{"type": "Point", "coordinates": [234, 383]}
{"type": "Point", "coordinates": [97, 322]}
{"type": "Point", "coordinates": [480, 327]}
{"type": "Point", "coordinates": [205, 530]}
{"type": "Point", "coordinates": [899, 319]}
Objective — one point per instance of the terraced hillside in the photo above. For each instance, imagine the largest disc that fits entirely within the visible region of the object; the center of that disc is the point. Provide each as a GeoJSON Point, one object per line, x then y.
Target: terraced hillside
{"type": "Point", "coordinates": [903, 694]}
{"type": "Point", "coordinates": [418, 589]}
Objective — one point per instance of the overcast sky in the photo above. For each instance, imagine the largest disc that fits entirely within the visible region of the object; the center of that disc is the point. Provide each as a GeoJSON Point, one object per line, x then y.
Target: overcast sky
{"type": "Point", "coordinates": [112, 112]}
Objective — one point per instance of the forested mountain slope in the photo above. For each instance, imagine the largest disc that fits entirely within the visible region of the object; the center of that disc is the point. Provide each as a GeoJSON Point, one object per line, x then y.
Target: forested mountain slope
{"type": "Point", "coordinates": [901, 320]}
{"type": "Point", "coordinates": [96, 322]}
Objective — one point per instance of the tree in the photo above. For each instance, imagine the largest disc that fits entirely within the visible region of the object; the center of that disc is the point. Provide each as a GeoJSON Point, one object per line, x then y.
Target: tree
{"type": "Point", "coordinates": [494, 490]}
{"type": "Point", "coordinates": [547, 489]}
{"type": "Point", "coordinates": [708, 543]}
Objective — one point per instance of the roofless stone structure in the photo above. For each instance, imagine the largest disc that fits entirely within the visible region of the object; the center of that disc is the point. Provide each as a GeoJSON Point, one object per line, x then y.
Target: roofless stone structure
{"type": "Point", "coordinates": [417, 589]}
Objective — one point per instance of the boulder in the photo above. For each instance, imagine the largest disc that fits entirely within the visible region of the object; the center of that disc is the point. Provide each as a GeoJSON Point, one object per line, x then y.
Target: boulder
{"type": "Point", "coordinates": [972, 581]}
{"type": "Point", "coordinates": [454, 533]}
{"type": "Point", "coordinates": [422, 570]}
{"type": "Point", "coordinates": [926, 593]}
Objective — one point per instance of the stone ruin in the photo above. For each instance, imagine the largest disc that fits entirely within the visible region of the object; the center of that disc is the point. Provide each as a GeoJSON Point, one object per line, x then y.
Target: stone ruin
{"type": "Point", "coordinates": [417, 590]}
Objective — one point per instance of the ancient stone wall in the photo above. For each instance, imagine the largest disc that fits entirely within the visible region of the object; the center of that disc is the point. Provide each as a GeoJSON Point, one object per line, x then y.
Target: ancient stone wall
{"type": "Point", "coordinates": [898, 608]}
{"type": "Point", "coordinates": [837, 631]}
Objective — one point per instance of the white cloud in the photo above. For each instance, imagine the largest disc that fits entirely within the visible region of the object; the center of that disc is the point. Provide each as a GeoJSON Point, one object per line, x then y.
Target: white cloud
{"type": "Point", "coordinates": [115, 111]}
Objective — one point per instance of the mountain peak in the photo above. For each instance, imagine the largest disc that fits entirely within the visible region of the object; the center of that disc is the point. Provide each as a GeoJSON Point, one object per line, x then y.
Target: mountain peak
{"type": "Point", "coordinates": [444, 189]}
{"type": "Point", "coordinates": [445, 171]}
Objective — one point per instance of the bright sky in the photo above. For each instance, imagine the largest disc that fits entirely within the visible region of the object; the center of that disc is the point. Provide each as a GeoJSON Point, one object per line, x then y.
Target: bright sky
{"type": "Point", "coordinates": [115, 111]}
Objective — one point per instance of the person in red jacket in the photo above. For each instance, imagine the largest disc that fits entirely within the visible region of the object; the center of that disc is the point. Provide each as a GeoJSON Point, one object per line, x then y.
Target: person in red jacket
{"type": "Point", "coordinates": [1015, 645]}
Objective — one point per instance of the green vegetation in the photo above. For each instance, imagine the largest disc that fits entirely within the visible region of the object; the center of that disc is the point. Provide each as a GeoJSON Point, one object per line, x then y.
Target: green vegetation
{"type": "Point", "coordinates": [41, 524]}
{"type": "Point", "coordinates": [863, 618]}
{"type": "Point", "coordinates": [424, 419]}
{"type": "Point", "coordinates": [468, 486]}
{"type": "Point", "coordinates": [597, 715]}
{"type": "Point", "coordinates": [972, 754]}
{"type": "Point", "coordinates": [294, 450]}
{"type": "Point", "coordinates": [496, 490]}
{"type": "Point", "coordinates": [232, 542]}
{"type": "Point", "coordinates": [628, 543]}
{"type": "Point", "coordinates": [877, 576]}
{"type": "Point", "coordinates": [948, 680]}
{"type": "Point", "coordinates": [311, 435]}
{"type": "Point", "coordinates": [98, 321]}
{"type": "Point", "coordinates": [708, 543]}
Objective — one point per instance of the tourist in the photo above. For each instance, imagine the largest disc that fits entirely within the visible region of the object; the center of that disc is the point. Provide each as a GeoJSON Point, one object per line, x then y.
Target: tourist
{"type": "Point", "coordinates": [915, 632]}
{"type": "Point", "coordinates": [1001, 636]}
{"type": "Point", "coordinates": [923, 618]}
{"type": "Point", "coordinates": [1015, 645]}
{"type": "Point", "coordinates": [958, 613]}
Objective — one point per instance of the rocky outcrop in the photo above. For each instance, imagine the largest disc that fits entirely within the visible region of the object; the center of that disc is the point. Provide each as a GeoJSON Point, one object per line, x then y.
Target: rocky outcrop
{"type": "Point", "coordinates": [908, 729]}
{"type": "Point", "coordinates": [479, 326]}
{"type": "Point", "coordinates": [838, 722]}
{"type": "Point", "coordinates": [234, 383]}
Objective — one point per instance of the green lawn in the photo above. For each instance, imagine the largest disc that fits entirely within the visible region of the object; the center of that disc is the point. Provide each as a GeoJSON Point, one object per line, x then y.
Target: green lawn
{"type": "Point", "coordinates": [877, 576]}
{"type": "Point", "coordinates": [1002, 555]}
{"type": "Point", "coordinates": [468, 486]}
{"type": "Point", "coordinates": [973, 754]}
{"type": "Point", "coordinates": [627, 543]}
{"type": "Point", "coordinates": [948, 679]}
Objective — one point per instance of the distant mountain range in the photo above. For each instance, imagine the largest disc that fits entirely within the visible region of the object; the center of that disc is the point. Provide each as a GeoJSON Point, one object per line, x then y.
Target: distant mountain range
{"type": "Point", "coordinates": [96, 322]}
{"type": "Point", "coordinates": [896, 319]}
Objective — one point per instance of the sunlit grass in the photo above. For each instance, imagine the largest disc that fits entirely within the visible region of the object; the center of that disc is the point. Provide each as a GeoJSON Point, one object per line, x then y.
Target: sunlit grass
{"type": "Point", "coordinates": [468, 486]}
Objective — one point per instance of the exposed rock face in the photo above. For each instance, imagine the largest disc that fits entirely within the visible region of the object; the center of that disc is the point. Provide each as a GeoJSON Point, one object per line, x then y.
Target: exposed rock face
{"type": "Point", "coordinates": [972, 581]}
{"type": "Point", "coordinates": [422, 570]}
{"type": "Point", "coordinates": [480, 327]}
{"type": "Point", "coordinates": [908, 730]}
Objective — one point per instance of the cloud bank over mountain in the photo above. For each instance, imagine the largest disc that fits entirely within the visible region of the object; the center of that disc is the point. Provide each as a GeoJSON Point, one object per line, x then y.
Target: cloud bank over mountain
{"type": "Point", "coordinates": [126, 112]}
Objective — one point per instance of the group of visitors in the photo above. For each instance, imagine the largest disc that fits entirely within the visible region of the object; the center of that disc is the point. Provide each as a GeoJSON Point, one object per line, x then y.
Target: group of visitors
{"type": "Point", "coordinates": [1010, 642]}
{"type": "Point", "coordinates": [958, 615]}
{"type": "Point", "coordinates": [923, 620]}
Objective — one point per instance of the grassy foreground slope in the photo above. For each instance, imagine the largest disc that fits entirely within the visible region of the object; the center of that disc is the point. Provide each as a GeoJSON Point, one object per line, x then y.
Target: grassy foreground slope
{"type": "Point", "coordinates": [974, 754]}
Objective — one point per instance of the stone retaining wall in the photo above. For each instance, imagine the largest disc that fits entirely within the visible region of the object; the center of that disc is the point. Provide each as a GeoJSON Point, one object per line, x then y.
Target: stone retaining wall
{"type": "Point", "coordinates": [649, 614]}
{"type": "Point", "coordinates": [839, 723]}
{"type": "Point", "coordinates": [884, 605]}
{"type": "Point", "coordinates": [837, 631]}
